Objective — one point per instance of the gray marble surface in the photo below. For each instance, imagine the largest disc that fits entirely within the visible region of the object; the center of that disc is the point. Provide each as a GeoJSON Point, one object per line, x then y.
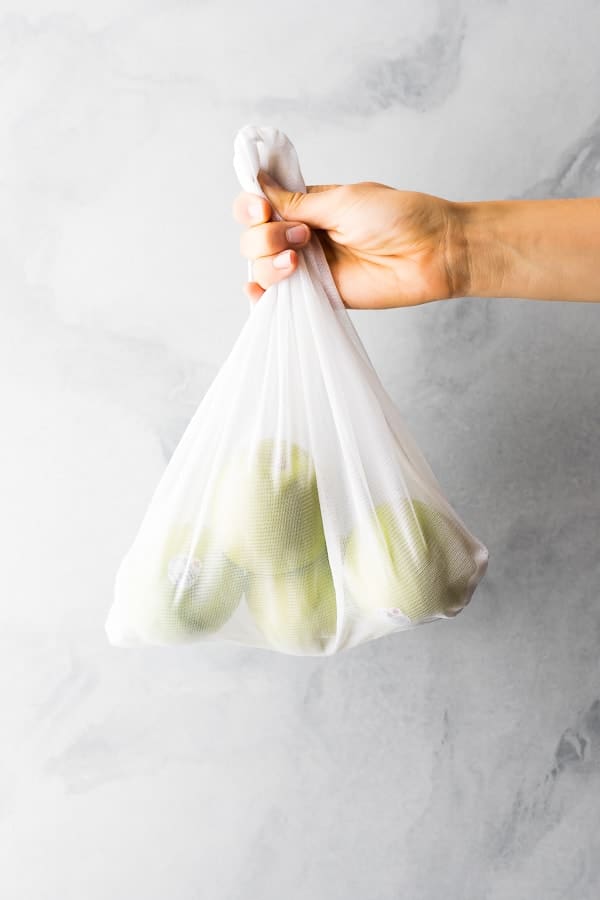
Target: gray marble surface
{"type": "Point", "coordinates": [458, 761]}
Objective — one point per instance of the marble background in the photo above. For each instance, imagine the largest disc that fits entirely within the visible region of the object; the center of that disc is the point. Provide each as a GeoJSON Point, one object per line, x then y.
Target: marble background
{"type": "Point", "coordinates": [458, 761]}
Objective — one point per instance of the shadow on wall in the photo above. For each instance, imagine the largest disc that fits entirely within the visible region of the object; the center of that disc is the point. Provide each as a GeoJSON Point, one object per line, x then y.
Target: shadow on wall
{"type": "Point", "coordinates": [514, 385]}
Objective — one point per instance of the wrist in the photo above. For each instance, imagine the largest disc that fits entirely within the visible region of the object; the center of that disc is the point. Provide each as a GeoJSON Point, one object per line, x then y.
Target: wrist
{"type": "Point", "coordinates": [536, 249]}
{"type": "Point", "coordinates": [478, 252]}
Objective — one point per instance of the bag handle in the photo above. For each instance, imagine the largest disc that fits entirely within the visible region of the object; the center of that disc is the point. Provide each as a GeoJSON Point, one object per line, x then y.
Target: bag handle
{"type": "Point", "coordinates": [265, 147]}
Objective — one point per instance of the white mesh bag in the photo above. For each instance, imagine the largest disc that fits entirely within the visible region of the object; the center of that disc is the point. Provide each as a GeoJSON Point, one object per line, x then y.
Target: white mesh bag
{"type": "Point", "coordinates": [296, 514]}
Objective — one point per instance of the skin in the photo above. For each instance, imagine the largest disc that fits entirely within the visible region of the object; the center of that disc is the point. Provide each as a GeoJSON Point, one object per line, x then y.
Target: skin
{"type": "Point", "coordinates": [391, 248]}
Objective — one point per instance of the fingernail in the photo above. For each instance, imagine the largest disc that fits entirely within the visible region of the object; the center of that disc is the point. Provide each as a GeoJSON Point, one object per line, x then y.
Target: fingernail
{"type": "Point", "coordinates": [283, 260]}
{"type": "Point", "coordinates": [255, 209]}
{"type": "Point", "coordinates": [296, 234]}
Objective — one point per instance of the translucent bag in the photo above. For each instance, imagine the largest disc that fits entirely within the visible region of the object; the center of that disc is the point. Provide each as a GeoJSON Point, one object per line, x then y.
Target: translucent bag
{"type": "Point", "coordinates": [296, 514]}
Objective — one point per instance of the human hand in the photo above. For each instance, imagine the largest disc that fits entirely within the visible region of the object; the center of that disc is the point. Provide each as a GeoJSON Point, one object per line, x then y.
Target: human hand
{"type": "Point", "coordinates": [385, 247]}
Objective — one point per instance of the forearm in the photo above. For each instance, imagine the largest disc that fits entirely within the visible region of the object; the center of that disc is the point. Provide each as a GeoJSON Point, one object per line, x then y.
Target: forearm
{"type": "Point", "coordinates": [537, 249]}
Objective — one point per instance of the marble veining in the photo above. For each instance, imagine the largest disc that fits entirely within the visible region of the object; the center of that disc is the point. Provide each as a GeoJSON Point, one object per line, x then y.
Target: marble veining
{"type": "Point", "coordinates": [578, 172]}
{"type": "Point", "coordinates": [419, 75]}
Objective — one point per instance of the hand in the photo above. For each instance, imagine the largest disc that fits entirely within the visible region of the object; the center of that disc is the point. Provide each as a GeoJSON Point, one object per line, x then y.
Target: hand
{"type": "Point", "coordinates": [384, 247]}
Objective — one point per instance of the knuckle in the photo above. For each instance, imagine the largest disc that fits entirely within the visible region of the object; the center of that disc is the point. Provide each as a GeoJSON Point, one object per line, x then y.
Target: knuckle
{"type": "Point", "coordinates": [261, 240]}
{"type": "Point", "coordinates": [269, 239]}
{"type": "Point", "coordinates": [351, 191]}
{"type": "Point", "coordinates": [293, 201]}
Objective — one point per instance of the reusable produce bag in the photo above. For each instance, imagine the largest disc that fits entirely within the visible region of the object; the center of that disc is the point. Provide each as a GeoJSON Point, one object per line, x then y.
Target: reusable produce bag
{"type": "Point", "coordinates": [296, 514]}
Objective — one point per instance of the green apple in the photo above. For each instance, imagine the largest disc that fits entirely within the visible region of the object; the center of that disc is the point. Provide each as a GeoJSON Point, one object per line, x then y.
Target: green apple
{"type": "Point", "coordinates": [265, 512]}
{"type": "Point", "coordinates": [296, 611]}
{"type": "Point", "coordinates": [189, 587]}
{"type": "Point", "coordinates": [407, 562]}
{"type": "Point", "coordinates": [207, 586]}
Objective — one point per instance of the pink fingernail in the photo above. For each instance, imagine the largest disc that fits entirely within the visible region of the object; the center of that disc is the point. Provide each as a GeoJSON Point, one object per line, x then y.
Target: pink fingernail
{"type": "Point", "coordinates": [283, 260]}
{"type": "Point", "coordinates": [296, 234]}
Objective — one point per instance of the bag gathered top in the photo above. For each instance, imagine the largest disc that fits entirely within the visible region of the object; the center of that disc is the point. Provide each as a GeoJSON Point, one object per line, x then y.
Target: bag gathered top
{"type": "Point", "coordinates": [296, 514]}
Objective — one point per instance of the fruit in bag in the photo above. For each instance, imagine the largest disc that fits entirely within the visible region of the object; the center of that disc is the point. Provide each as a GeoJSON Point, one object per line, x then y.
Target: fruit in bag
{"type": "Point", "coordinates": [207, 586]}
{"type": "Point", "coordinates": [285, 511]}
{"type": "Point", "coordinates": [266, 515]}
{"type": "Point", "coordinates": [408, 562]}
{"type": "Point", "coordinates": [191, 587]}
{"type": "Point", "coordinates": [295, 611]}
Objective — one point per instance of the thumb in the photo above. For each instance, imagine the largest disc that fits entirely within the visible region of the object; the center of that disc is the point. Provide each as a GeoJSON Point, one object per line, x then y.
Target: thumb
{"type": "Point", "coordinates": [318, 208]}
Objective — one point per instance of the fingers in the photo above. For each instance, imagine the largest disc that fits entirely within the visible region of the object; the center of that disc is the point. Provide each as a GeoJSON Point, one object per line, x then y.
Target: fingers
{"type": "Point", "coordinates": [273, 237]}
{"type": "Point", "coordinates": [250, 209]}
{"type": "Point", "coordinates": [268, 270]}
{"type": "Point", "coordinates": [253, 291]}
{"type": "Point", "coordinates": [271, 245]}
{"type": "Point", "coordinates": [318, 207]}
